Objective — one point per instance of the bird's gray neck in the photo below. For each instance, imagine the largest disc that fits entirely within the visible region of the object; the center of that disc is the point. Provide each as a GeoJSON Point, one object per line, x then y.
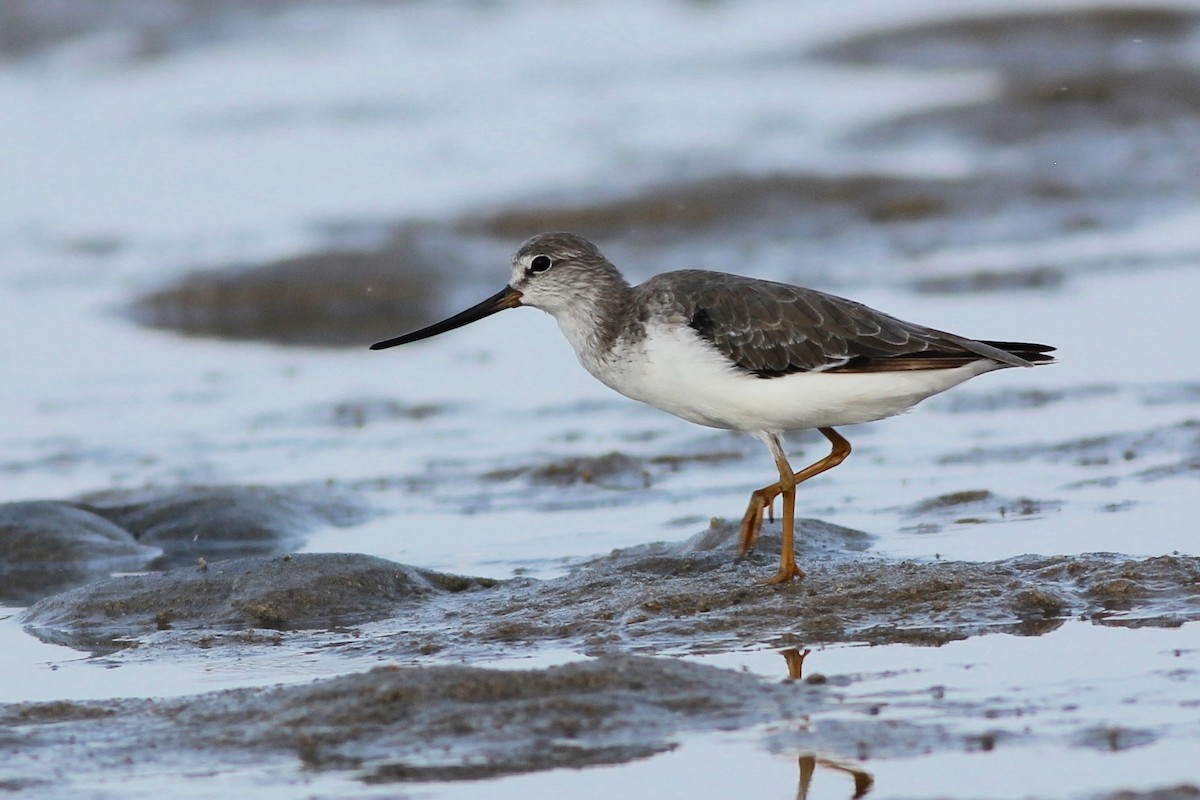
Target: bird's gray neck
{"type": "Point", "coordinates": [597, 317]}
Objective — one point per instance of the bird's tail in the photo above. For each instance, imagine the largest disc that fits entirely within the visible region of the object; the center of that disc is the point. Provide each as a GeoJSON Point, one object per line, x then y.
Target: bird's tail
{"type": "Point", "coordinates": [1027, 351]}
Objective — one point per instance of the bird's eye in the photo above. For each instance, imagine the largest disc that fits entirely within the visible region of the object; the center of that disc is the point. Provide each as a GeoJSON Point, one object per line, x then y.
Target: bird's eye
{"type": "Point", "coordinates": [540, 264]}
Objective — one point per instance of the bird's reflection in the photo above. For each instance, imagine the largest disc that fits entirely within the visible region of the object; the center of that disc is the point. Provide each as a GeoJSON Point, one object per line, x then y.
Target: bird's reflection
{"type": "Point", "coordinates": [794, 657]}
{"type": "Point", "coordinates": [809, 762]}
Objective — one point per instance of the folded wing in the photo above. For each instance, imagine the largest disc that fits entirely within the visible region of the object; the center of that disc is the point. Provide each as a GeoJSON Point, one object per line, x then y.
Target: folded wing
{"type": "Point", "coordinates": [773, 329]}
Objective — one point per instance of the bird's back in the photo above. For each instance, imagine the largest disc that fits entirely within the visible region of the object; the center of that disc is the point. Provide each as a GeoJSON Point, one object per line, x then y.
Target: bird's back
{"type": "Point", "coordinates": [773, 329]}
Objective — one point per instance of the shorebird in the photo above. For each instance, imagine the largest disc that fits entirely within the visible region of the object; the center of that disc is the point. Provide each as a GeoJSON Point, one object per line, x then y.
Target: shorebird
{"type": "Point", "coordinates": [740, 354]}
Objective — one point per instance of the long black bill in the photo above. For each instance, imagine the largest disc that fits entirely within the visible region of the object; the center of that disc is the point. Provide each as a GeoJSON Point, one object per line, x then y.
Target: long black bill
{"type": "Point", "coordinates": [507, 297]}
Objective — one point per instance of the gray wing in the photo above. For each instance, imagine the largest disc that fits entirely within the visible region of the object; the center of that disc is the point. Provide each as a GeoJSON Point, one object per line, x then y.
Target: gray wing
{"type": "Point", "coordinates": [771, 329]}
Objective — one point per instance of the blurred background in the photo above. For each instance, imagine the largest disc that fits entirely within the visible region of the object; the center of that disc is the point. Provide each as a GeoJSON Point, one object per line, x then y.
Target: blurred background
{"type": "Point", "coordinates": [209, 209]}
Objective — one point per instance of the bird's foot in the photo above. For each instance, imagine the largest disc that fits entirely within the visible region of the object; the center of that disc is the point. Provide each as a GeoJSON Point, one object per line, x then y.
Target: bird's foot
{"type": "Point", "coordinates": [761, 500]}
{"type": "Point", "coordinates": [751, 527]}
{"type": "Point", "coordinates": [787, 572]}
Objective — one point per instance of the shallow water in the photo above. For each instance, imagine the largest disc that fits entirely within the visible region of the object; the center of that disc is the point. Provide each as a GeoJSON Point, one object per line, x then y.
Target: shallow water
{"type": "Point", "coordinates": [321, 127]}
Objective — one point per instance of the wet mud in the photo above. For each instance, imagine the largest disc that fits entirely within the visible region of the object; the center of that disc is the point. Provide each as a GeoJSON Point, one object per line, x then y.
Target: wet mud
{"type": "Point", "coordinates": [1112, 457]}
{"type": "Point", "coordinates": [1180, 792]}
{"type": "Point", "coordinates": [696, 596]}
{"type": "Point", "coordinates": [436, 723]}
{"type": "Point", "coordinates": [969, 401]}
{"type": "Point", "coordinates": [462, 723]}
{"type": "Point", "coordinates": [1135, 132]}
{"type": "Point", "coordinates": [330, 298]}
{"type": "Point", "coordinates": [307, 590]}
{"type": "Point", "coordinates": [1052, 41]}
{"type": "Point", "coordinates": [215, 521]}
{"type": "Point", "coordinates": [459, 722]}
{"type": "Point", "coordinates": [616, 471]}
{"type": "Point", "coordinates": [1099, 103]}
{"type": "Point", "coordinates": [148, 29]}
{"type": "Point", "coordinates": [48, 546]}
{"type": "Point", "coordinates": [358, 412]}
{"type": "Point", "coordinates": [973, 506]}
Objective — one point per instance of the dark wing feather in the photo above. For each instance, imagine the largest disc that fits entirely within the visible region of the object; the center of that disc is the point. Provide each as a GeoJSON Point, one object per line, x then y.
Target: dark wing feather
{"type": "Point", "coordinates": [772, 329]}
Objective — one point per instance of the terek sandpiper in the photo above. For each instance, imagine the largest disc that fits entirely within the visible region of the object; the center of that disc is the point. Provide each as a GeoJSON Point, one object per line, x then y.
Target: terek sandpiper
{"type": "Point", "coordinates": [740, 353]}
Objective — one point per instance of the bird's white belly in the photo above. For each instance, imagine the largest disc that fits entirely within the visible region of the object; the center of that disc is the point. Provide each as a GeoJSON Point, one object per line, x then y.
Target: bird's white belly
{"type": "Point", "coordinates": [675, 370]}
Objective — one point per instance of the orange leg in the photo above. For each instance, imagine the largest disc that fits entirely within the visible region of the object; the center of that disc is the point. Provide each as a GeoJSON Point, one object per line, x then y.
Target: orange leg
{"type": "Point", "coordinates": [763, 498]}
{"type": "Point", "coordinates": [794, 657]}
